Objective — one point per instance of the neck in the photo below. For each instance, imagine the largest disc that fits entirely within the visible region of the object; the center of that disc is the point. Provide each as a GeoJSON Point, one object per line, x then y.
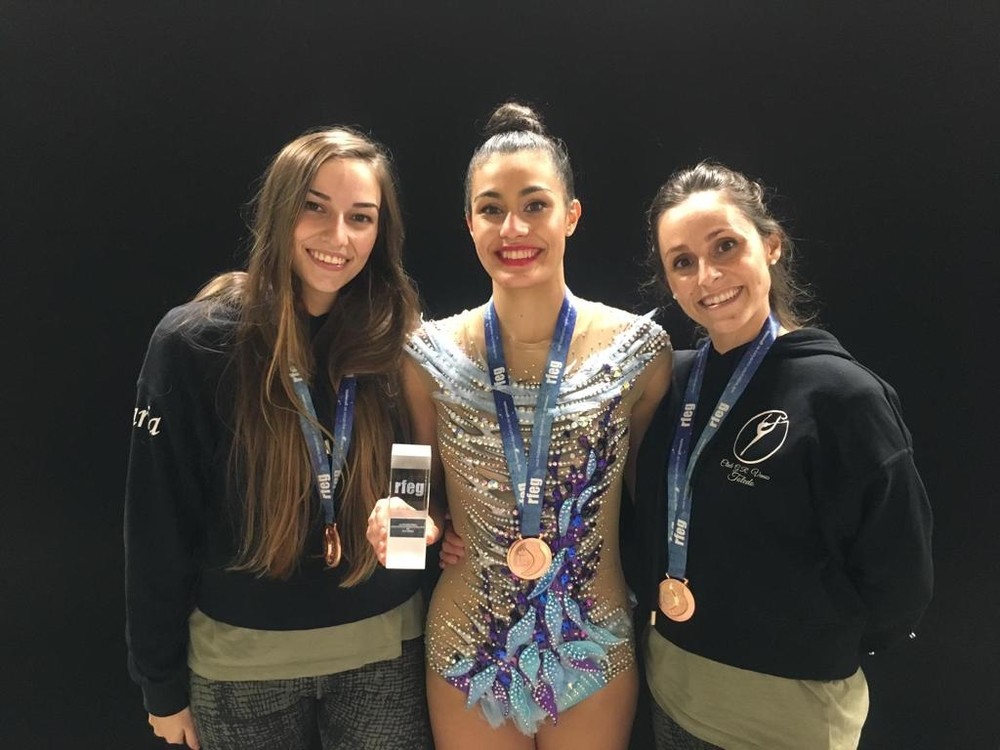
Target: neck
{"type": "Point", "coordinates": [528, 316]}
{"type": "Point", "coordinates": [318, 304]}
{"type": "Point", "coordinates": [723, 343]}
{"type": "Point", "coordinates": [726, 342]}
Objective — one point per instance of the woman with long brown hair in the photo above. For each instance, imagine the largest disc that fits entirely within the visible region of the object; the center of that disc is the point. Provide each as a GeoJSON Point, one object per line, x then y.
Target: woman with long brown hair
{"type": "Point", "coordinates": [266, 411]}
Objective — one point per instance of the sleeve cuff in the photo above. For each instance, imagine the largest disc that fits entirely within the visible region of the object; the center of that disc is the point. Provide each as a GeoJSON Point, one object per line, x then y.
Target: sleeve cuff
{"type": "Point", "coordinates": [166, 698]}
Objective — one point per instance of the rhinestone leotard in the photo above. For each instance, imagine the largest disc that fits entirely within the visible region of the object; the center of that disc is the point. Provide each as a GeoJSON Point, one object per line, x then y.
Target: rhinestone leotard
{"type": "Point", "coordinates": [526, 650]}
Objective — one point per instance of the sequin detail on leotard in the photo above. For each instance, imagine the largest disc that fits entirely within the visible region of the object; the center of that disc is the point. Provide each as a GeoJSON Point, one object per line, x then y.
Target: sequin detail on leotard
{"type": "Point", "coordinates": [527, 650]}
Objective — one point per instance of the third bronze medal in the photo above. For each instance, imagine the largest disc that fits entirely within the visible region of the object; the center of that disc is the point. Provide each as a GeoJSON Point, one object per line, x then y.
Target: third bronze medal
{"type": "Point", "coordinates": [676, 599]}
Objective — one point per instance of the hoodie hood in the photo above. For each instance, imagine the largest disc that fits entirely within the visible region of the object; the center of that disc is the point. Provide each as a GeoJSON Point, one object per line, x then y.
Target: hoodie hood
{"type": "Point", "coordinates": [804, 343]}
{"type": "Point", "coordinates": [808, 342]}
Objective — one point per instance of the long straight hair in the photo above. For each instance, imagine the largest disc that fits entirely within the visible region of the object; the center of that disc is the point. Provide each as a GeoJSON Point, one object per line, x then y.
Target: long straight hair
{"type": "Point", "coordinates": [364, 334]}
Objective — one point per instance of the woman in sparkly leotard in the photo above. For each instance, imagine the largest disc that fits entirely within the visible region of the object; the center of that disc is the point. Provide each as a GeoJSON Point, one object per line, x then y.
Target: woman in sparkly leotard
{"type": "Point", "coordinates": [520, 651]}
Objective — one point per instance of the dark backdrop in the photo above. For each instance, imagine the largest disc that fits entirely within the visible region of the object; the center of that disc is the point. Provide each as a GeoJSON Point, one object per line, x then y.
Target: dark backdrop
{"type": "Point", "coordinates": [132, 136]}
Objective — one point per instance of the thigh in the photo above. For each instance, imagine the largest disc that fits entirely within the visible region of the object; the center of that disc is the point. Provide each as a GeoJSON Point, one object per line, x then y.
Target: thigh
{"type": "Point", "coordinates": [252, 715]}
{"type": "Point", "coordinates": [602, 720]}
{"type": "Point", "coordinates": [669, 735]}
{"type": "Point", "coordinates": [456, 727]}
{"type": "Point", "coordinates": [380, 706]}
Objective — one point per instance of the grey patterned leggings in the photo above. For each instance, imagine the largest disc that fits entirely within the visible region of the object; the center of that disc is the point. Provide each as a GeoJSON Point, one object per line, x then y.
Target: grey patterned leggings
{"type": "Point", "coordinates": [669, 735]}
{"type": "Point", "coordinates": [380, 706]}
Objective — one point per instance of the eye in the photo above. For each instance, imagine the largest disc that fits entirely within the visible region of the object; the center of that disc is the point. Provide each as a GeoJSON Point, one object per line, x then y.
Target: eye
{"type": "Point", "coordinates": [362, 218]}
{"type": "Point", "coordinates": [680, 262]}
{"type": "Point", "coordinates": [490, 209]}
{"type": "Point", "coordinates": [535, 206]}
{"type": "Point", "coordinates": [727, 244]}
{"type": "Point", "coordinates": [313, 206]}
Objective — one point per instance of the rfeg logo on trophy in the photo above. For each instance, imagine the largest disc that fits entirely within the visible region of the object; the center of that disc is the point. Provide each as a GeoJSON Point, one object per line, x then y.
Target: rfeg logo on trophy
{"type": "Point", "coordinates": [761, 437]}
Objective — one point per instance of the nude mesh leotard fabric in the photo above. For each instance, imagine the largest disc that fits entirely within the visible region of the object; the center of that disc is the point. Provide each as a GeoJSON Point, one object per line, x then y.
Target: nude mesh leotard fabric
{"type": "Point", "coordinates": [525, 650]}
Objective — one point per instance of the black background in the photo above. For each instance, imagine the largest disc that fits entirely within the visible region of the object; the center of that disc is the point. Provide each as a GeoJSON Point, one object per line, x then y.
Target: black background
{"type": "Point", "coordinates": [133, 134]}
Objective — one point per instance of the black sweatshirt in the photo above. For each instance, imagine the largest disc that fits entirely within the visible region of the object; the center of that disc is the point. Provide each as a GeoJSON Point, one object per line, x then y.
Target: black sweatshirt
{"type": "Point", "coordinates": [808, 545]}
{"type": "Point", "coordinates": [182, 520]}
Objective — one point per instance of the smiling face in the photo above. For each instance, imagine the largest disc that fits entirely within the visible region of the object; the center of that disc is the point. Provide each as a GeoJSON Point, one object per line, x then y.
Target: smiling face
{"type": "Point", "coordinates": [717, 267]}
{"type": "Point", "coordinates": [520, 218]}
{"type": "Point", "coordinates": [335, 231]}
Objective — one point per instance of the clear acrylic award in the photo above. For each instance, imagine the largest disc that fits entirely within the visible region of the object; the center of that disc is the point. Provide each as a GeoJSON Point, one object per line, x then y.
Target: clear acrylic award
{"type": "Point", "coordinates": [409, 482]}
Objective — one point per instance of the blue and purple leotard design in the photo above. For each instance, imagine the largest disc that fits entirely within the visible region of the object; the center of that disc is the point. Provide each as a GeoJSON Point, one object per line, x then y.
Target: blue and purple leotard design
{"type": "Point", "coordinates": [526, 650]}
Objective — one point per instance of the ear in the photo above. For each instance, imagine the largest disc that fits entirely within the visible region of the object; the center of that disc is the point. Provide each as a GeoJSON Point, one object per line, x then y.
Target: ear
{"type": "Point", "coordinates": [468, 222]}
{"type": "Point", "coordinates": [773, 244]}
{"type": "Point", "coordinates": [573, 213]}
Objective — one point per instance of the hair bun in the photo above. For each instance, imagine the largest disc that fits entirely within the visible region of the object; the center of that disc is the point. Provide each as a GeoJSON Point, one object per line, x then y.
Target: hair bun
{"type": "Point", "coordinates": [513, 116]}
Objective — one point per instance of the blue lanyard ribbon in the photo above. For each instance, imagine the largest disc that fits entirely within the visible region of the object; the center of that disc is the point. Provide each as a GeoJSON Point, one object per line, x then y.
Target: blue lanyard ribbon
{"type": "Point", "coordinates": [528, 476]}
{"type": "Point", "coordinates": [327, 471]}
{"type": "Point", "coordinates": [680, 467]}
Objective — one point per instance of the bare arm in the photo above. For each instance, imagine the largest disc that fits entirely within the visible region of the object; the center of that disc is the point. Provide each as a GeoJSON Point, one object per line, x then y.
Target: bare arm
{"type": "Point", "coordinates": [657, 382]}
{"type": "Point", "coordinates": [452, 547]}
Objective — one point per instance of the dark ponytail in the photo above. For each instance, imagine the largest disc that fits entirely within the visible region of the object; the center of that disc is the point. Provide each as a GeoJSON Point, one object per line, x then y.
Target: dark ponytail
{"type": "Point", "coordinates": [515, 127]}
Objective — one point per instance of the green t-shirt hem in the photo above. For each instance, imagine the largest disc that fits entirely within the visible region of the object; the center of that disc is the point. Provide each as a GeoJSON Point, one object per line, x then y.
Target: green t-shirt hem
{"type": "Point", "coordinates": [219, 651]}
{"type": "Point", "coordinates": [738, 709]}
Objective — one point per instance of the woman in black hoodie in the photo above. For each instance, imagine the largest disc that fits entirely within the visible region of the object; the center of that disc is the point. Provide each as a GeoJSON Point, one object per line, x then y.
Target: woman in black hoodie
{"type": "Point", "coordinates": [785, 527]}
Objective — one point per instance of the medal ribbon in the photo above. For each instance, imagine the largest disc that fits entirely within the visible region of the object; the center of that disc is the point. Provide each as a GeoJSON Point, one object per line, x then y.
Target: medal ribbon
{"type": "Point", "coordinates": [327, 471]}
{"type": "Point", "coordinates": [528, 476]}
{"type": "Point", "coordinates": [680, 466]}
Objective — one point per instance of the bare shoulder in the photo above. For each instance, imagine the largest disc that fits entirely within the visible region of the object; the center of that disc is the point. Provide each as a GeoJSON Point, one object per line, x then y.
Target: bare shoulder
{"type": "Point", "coordinates": [463, 329]}
{"type": "Point", "coordinates": [603, 318]}
{"type": "Point", "coordinates": [639, 333]}
{"type": "Point", "coordinates": [417, 382]}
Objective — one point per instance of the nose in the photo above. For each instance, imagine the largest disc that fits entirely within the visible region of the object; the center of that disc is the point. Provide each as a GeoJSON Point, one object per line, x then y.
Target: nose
{"type": "Point", "coordinates": [707, 273]}
{"type": "Point", "coordinates": [513, 226]}
{"type": "Point", "coordinates": [336, 231]}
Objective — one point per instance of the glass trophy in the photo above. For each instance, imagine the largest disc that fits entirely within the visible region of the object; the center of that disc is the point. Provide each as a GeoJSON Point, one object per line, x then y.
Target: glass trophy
{"type": "Point", "coordinates": [409, 488]}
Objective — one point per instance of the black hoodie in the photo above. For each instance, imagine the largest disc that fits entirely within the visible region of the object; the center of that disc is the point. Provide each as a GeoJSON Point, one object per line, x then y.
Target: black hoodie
{"type": "Point", "coordinates": [806, 546]}
{"type": "Point", "coordinates": [182, 515]}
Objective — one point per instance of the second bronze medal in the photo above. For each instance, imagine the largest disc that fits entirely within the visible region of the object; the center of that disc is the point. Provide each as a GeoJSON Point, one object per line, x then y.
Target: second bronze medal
{"type": "Point", "coordinates": [529, 558]}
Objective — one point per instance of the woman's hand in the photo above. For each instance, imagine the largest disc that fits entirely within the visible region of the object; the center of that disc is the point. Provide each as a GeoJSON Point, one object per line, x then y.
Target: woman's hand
{"type": "Point", "coordinates": [177, 729]}
{"type": "Point", "coordinates": [452, 548]}
{"type": "Point", "coordinates": [378, 526]}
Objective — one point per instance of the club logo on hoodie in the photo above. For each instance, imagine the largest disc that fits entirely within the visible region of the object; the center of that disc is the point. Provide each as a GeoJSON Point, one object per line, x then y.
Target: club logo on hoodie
{"type": "Point", "coordinates": [143, 418]}
{"type": "Point", "coordinates": [761, 437]}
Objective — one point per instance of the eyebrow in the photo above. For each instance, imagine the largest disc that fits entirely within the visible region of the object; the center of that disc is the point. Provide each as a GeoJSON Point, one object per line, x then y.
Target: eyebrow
{"type": "Point", "coordinates": [709, 236]}
{"type": "Point", "coordinates": [523, 191]}
{"type": "Point", "coordinates": [359, 204]}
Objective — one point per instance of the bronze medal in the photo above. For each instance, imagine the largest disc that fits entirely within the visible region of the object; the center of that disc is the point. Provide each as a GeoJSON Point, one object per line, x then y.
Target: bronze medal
{"type": "Point", "coordinates": [676, 599]}
{"type": "Point", "coordinates": [529, 558]}
{"type": "Point", "coordinates": [331, 545]}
